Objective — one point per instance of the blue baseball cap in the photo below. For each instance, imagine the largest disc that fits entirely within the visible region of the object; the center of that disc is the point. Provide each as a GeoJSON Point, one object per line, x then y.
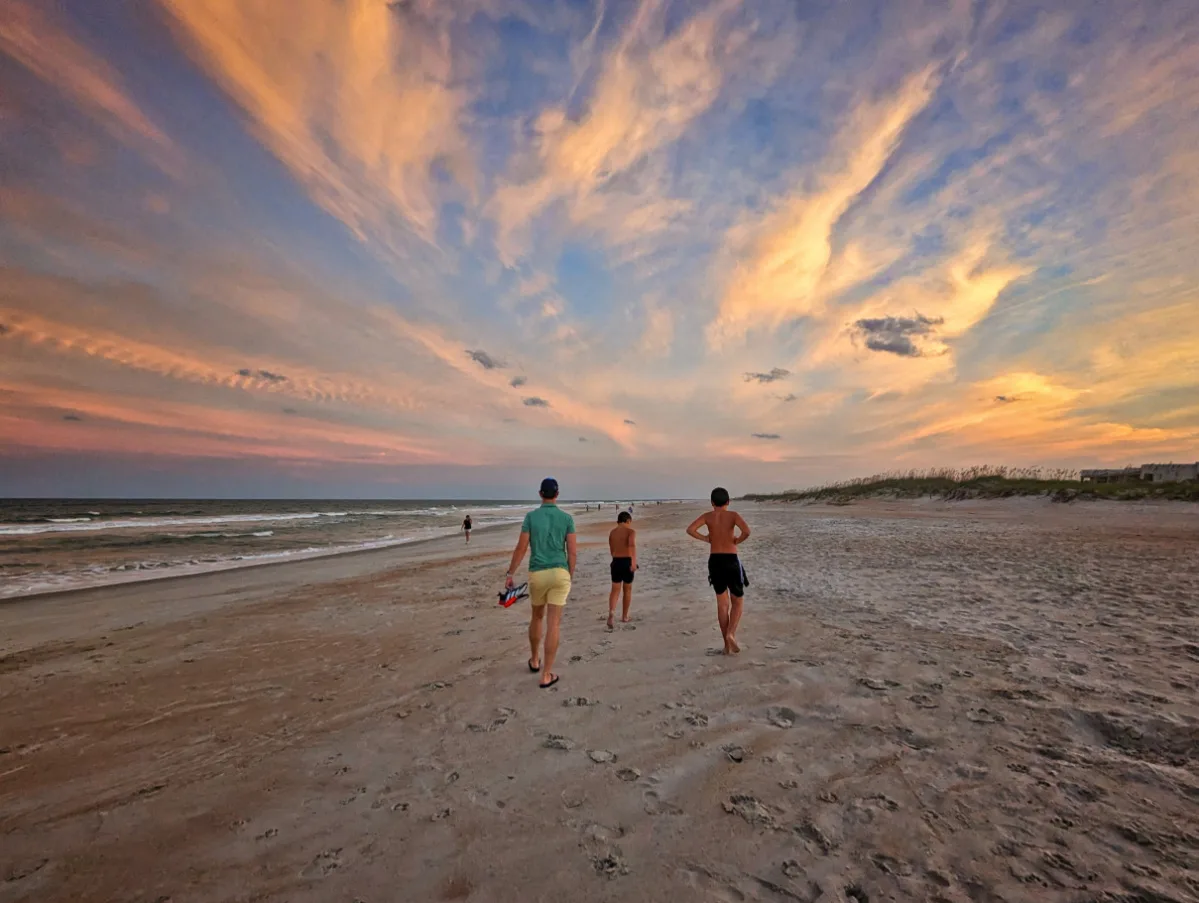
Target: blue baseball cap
{"type": "Point", "coordinates": [549, 488]}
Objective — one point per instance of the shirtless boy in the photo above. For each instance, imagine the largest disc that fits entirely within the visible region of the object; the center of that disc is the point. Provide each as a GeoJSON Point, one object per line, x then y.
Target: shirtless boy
{"type": "Point", "coordinates": [622, 542]}
{"type": "Point", "coordinates": [725, 572]}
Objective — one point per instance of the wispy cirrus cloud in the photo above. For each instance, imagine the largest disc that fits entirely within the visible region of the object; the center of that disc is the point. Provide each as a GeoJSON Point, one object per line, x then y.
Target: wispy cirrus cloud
{"type": "Point", "coordinates": [358, 100]}
{"type": "Point", "coordinates": [33, 38]}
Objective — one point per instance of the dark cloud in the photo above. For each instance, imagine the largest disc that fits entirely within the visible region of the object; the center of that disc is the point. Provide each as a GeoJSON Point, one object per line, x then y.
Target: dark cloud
{"type": "Point", "coordinates": [773, 376]}
{"type": "Point", "coordinates": [3, 329]}
{"type": "Point", "coordinates": [790, 396]}
{"type": "Point", "coordinates": [582, 438]}
{"type": "Point", "coordinates": [262, 374]}
{"type": "Point", "coordinates": [895, 335]}
{"type": "Point", "coordinates": [630, 423]}
{"type": "Point", "coordinates": [485, 360]}
{"type": "Point", "coordinates": [290, 411]}
{"type": "Point", "coordinates": [517, 381]}
{"type": "Point", "coordinates": [766, 435]}
{"type": "Point", "coordinates": [74, 418]}
{"type": "Point", "coordinates": [536, 402]}
{"type": "Point", "coordinates": [1006, 399]}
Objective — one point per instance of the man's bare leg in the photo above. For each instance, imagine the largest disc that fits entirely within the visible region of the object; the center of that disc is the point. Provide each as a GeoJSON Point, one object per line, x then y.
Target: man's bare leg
{"type": "Point", "coordinates": [612, 597]}
{"type": "Point", "coordinates": [730, 638]}
{"type": "Point", "coordinates": [536, 622]}
{"type": "Point", "coordinates": [551, 641]}
{"type": "Point", "coordinates": [628, 602]}
{"type": "Point", "coordinates": [722, 615]}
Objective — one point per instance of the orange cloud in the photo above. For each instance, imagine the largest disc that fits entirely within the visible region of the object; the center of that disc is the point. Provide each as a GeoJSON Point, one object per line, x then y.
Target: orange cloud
{"type": "Point", "coordinates": [648, 92]}
{"type": "Point", "coordinates": [124, 423]}
{"type": "Point", "coordinates": [788, 254]}
{"type": "Point", "coordinates": [30, 37]}
{"type": "Point", "coordinates": [355, 98]}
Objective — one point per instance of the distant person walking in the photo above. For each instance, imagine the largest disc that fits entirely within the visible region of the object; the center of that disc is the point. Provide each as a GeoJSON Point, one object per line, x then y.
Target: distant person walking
{"type": "Point", "coordinates": [466, 527]}
{"type": "Point", "coordinates": [548, 534]}
{"type": "Point", "coordinates": [725, 572]}
{"type": "Point", "coordinates": [622, 543]}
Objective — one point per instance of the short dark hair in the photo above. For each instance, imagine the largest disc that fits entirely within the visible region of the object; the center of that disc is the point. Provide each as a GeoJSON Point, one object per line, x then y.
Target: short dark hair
{"type": "Point", "coordinates": [720, 496]}
{"type": "Point", "coordinates": [624, 517]}
{"type": "Point", "coordinates": [549, 488]}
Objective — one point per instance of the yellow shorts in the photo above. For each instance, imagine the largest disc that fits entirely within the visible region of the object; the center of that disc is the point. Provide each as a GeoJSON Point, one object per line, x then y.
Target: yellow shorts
{"type": "Point", "coordinates": [549, 587]}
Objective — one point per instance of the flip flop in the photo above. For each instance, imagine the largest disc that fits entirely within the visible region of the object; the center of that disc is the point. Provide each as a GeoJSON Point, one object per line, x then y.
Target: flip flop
{"type": "Point", "coordinates": [550, 684]}
{"type": "Point", "coordinates": [531, 668]}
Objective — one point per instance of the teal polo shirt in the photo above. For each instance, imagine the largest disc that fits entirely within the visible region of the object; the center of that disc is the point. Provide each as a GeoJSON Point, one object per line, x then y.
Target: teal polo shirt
{"type": "Point", "coordinates": [548, 527]}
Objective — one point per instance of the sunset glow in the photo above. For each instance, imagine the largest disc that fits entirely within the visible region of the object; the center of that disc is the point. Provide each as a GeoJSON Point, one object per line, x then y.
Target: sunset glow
{"type": "Point", "coordinates": [308, 247]}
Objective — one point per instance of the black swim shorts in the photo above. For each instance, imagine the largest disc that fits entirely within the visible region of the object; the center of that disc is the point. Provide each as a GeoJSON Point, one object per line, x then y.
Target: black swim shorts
{"type": "Point", "coordinates": [622, 570]}
{"type": "Point", "coordinates": [726, 574]}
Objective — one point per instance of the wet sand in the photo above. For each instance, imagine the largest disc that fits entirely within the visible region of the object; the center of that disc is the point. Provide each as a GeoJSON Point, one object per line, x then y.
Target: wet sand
{"type": "Point", "coordinates": [981, 701]}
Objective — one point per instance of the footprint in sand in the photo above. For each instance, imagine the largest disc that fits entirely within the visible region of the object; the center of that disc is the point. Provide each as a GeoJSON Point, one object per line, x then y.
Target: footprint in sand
{"type": "Point", "coordinates": [983, 716]}
{"type": "Point", "coordinates": [751, 809]}
{"type": "Point", "coordinates": [734, 752]}
{"type": "Point", "coordinates": [556, 741]}
{"type": "Point", "coordinates": [781, 716]}
{"type": "Point", "coordinates": [629, 774]}
{"type": "Point", "coordinates": [325, 862]}
{"type": "Point", "coordinates": [924, 702]}
{"type": "Point", "coordinates": [876, 683]}
{"type": "Point", "coordinates": [601, 756]}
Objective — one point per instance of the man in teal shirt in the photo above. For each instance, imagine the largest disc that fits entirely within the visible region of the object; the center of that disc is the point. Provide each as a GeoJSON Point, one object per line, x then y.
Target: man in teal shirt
{"type": "Point", "coordinates": [548, 533]}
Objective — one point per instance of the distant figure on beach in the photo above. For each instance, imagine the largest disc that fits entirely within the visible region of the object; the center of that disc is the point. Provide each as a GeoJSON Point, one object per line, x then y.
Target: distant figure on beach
{"type": "Point", "coordinates": [622, 543]}
{"type": "Point", "coordinates": [466, 527]}
{"type": "Point", "coordinates": [548, 534]}
{"type": "Point", "coordinates": [725, 572]}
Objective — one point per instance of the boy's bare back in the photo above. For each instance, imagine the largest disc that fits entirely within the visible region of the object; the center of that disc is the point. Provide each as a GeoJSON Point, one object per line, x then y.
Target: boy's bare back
{"type": "Point", "coordinates": [619, 541]}
{"type": "Point", "coordinates": [722, 525]}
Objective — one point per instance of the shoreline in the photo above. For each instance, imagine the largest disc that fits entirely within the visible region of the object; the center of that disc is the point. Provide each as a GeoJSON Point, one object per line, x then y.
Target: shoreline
{"type": "Point", "coordinates": [136, 578]}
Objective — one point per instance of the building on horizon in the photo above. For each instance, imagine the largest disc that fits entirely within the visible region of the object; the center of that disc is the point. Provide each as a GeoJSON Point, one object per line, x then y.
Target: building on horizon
{"type": "Point", "coordinates": [1147, 473]}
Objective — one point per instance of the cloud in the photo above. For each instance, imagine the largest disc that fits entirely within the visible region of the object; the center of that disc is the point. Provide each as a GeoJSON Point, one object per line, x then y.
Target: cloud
{"type": "Point", "coordinates": [267, 375]}
{"type": "Point", "coordinates": [74, 418]}
{"type": "Point", "coordinates": [535, 402]}
{"type": "Point", "coordinates": [582, 438]}
{"type": "Point", "coordinates": [290, 411]}
{"type": "Point", "coordinates": [517, 381]}
{"type": "Point", "coordinates": [35, 41]}
{"type": "Point", "coordinates": [898, 335]}
{"type": "Point", "coordinates": [785, 259]}
{"type": "Point", "coordinates": [630, 422]}
{"type": "Point", "coordinates": [774, 375]}
{"type": "Point", "coordinates": [485, 360]}
{"type": "Point", "coordinates": [789, 397]}
{"type": "Point", "coordinates": [1006, 399]}
{"type": "Point", "coordinates": [651, 86]}
{"type": "Point", "coordinates": [3, 329]}
{"type": "Point", "coordinates": [766, 436]}
{"type": "Point", "coordinates": [357, 99]}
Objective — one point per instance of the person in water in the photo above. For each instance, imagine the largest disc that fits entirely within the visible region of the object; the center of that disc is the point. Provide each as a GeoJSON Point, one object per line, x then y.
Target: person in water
{"type": "Point", "coordinates": [622, 543]}
{"type": "Point", "coordinates": [466, 527]}
{"type": "Point", "coordinates": [726, 530]}
{"type": "Point", "coordinates": [548, 534]}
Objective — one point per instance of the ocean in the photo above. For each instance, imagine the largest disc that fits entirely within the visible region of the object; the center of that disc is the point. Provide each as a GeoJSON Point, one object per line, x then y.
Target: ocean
{"type": "Point", "coordinates": [59, 544]}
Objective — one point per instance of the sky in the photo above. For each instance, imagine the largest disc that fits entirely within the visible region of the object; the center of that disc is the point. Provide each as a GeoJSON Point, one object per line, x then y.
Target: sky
{"type": "Point", "coordinates": [442, 249]}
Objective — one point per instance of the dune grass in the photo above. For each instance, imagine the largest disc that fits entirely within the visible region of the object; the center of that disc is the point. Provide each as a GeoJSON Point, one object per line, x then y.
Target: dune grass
{"type": "Point", "coordinates": [982, 482]}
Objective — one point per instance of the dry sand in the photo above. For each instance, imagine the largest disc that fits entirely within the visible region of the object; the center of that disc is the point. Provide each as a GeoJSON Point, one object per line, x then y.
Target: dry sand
{"type": "Point", "coordinates": [944, 702]}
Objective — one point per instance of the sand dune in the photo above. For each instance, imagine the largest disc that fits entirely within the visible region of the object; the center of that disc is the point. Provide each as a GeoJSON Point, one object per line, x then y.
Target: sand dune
{"type": "Point", "coordinates": [972, 702]}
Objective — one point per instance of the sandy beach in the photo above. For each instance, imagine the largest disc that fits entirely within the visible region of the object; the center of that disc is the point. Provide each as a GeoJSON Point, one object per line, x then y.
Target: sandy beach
{"type": "Point", "coordinates": [956, 702]}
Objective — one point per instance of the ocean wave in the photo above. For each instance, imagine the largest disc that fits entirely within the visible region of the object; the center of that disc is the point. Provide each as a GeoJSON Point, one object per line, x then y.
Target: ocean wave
{"type": "Point", "coordinates": [128, 572]}
{"type": "Point", "coordinates": [65, 525]}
